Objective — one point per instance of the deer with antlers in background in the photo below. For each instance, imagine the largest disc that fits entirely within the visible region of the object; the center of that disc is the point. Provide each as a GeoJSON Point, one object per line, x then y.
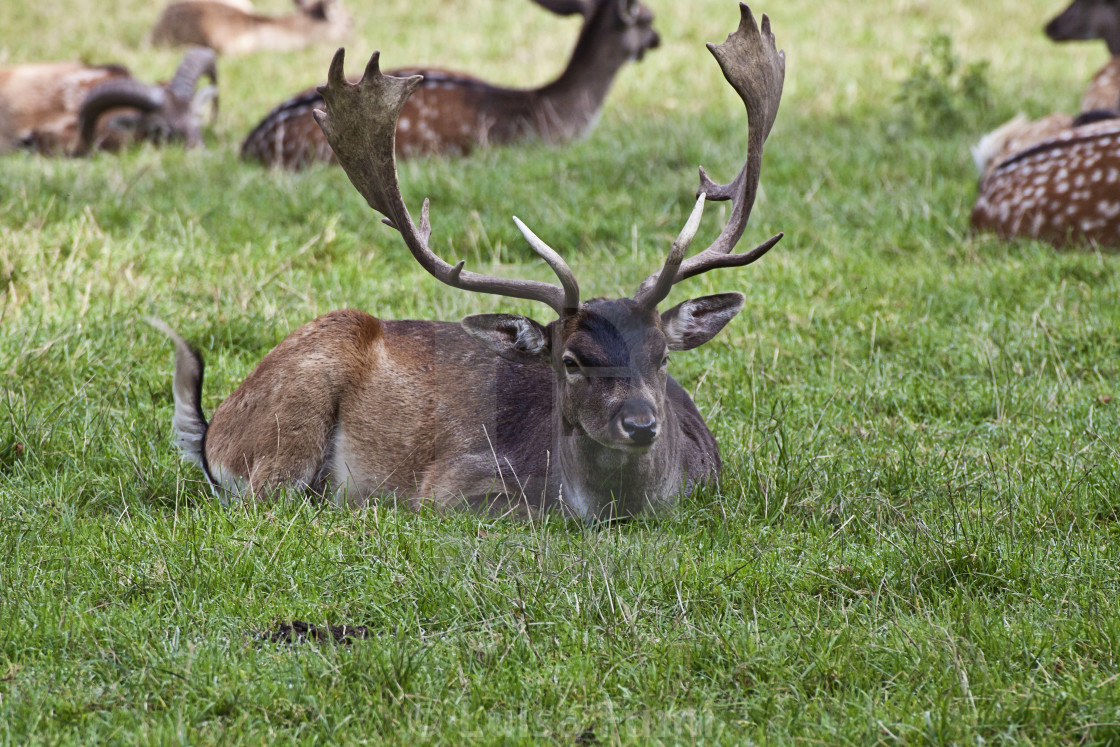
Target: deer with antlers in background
{"type": "Point", "coordinates": [231, 28]}
{"type": "Point", "coordinates": [454, 112]}
{"type": "Point", "coordinates": [73, 108]}
{"type": "Point", "coordinates": [498, 411]}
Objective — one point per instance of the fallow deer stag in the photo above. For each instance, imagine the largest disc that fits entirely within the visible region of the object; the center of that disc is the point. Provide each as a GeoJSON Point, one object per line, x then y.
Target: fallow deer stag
{"type": "Point", "coordinates": [231, 29]}
{"type": "Point", "coordinates": [73, 108]}
{"type": "Point", "coordinates": [579, 415]}
{"type": "Point", "coordinates": [454, 112]}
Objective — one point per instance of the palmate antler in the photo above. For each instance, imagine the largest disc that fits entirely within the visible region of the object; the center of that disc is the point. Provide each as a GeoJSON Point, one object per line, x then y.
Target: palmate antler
{"type": "Point", "coordinates": [360, 124]}
{"type": "Point", "coordinates": [756, 70]}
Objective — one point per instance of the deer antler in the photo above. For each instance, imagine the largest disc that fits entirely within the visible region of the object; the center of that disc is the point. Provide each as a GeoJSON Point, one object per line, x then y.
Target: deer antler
{"type": "Point", "coordinates": [360, 124]}
{"type": "Point", "coordinates": [756, 70]}
{"type": "Point", "coordinates": [198, 61]}
{"type": "Point", "coordinates": [113, 93]}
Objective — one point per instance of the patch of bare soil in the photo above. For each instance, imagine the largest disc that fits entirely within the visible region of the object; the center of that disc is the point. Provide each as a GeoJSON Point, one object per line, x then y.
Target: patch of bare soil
{"type": "Point", "coordinates": [298, 631]}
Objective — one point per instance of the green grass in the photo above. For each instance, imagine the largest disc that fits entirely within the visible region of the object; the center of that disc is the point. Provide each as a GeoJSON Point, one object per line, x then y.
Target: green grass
{"type": "Point", "coordinates": [917, 534]}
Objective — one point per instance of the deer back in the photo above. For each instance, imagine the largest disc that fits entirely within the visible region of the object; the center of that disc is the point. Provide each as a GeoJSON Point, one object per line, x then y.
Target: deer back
{"type": "Point", "coordinates": [39, 102]}
{"type": "Point", "coordinates": [449, 113]}
{"type": "Point", "coordinates": [1064, 188]}
{"type": "Point", "coordinates": [382, 408]}
{"type": "Point", "coordinates": [229, 29]}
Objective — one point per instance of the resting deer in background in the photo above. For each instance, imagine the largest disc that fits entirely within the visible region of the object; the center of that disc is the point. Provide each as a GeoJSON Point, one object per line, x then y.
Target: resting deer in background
{"type": "Point", "coordinates": [454, 112]}
{"type": "Point", "coordinates": [231, 29]}
{"type": "Point", "coordinates": [1065, 188]}
{"type": "Point", "coordinates": [579, 415]}
{"type": "Point", "coordinates": [1058, 178]}
{"type": "Point", "coordinates": [71, 107]}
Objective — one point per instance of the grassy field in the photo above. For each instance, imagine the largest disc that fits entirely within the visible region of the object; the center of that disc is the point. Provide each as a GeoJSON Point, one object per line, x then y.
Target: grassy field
{"type": "Point", "coordinates": [917, 534]}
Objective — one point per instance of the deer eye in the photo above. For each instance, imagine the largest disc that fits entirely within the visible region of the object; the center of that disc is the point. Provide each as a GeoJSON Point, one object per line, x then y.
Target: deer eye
{"type": "Point", "coordinates": [665, 362]}
{"type": "Point", "coordinates": [571, 365]}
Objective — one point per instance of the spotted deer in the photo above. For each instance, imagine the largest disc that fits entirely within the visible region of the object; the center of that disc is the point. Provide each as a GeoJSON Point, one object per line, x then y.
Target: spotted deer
{"type": "Point", "coordinates": [230, 28]}
{"type": "Point", "coordinates": [74, 108]}
{"type": "Point", "coordinates": [454, 112]}
{"type": "Point", "coordinates": [1063, 189]}
{"type": "Point", "coordinates": [1058, 178]}
{"type": "Point", "coordinates": [579, 415]}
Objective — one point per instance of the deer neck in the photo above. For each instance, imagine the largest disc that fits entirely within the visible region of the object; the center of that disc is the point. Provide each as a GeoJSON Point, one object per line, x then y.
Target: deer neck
{"type": "Point", "coordinates": [1103, 91]}
{"type": "Point", "coordinates": [569, 106]}
{"type": "Point", "coordinates": [598, 482]}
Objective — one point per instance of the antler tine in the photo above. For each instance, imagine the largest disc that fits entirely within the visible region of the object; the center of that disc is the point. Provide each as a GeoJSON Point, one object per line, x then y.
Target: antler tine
{"type": "Point", "coordinates": [755, 68]}
{"type": "Point", "coordinates": [198, 61]}
{"type": "Point", "coordinates": [663, 281]}
{"type": "Point", "coordinates": [556, 262]}
{"type": "Point", "coordinates": [360, 123]}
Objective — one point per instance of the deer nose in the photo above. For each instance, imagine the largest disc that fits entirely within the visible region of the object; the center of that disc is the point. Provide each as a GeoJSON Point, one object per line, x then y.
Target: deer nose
{"type": "Point", "coordinates": [641, 428]}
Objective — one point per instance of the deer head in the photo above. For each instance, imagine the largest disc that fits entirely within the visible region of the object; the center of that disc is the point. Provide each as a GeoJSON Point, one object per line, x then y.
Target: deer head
{"type": "Point", "coordinates": [631, 19]}
{"type": "Point", "coordinates": [163, 112]}
{"type": "Point", "coordinates": [609, 356]}
{"type": "Point", "coordinates": [329, 14]}
{"type": "Point", "coordinates": [1088, 19]}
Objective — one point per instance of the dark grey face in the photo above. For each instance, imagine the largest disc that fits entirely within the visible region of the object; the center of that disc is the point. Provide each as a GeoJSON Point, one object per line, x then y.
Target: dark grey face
{"type": "Point", "coordinates": [637, 21]}
{"type": "Point", "coordinates": [1088, 19]}
{"type": "Point", "coordinates": [611, 361]}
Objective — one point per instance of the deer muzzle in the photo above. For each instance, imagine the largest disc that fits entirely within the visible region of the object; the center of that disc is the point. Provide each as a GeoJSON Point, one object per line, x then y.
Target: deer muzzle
{"type": "Point", "coordinates": [637, 425]}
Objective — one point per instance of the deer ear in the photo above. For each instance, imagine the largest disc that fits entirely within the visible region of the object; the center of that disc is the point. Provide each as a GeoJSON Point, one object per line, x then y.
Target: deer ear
{"type": "Point", "coordinates": [515, 338]}
{"type": "Point", "coordinates": [565, 7]}
{"type": "Point", "coordinates": [690, 324]}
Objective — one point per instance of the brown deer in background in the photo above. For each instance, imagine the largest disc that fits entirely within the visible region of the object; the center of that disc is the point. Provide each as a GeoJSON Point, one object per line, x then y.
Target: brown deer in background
{"type": "Point", "coordinates": [1065, 188]}
{"type": "Point", "coordinates": [231, 29]}
{"type": "Point", "coordinates": [454, 112]}
{"type": "Point", "coordinates": [499, 411]}
{"type": "Point", "coordinates": [1057, 178]}
{"type": "Point", "coordinates": [71, 107]}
